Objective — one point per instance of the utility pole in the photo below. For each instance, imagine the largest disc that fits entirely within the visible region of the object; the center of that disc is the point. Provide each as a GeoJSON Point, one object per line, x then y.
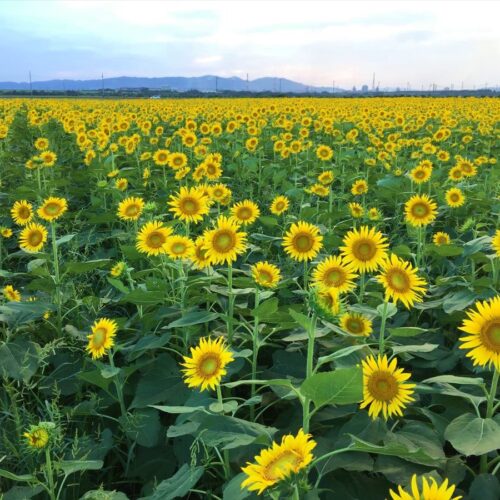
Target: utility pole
{"type": "Point", "coordinates": [373, 82]}
{"type": "Point", "coordinates": [333, 86]}
{"type": "Point", "coordinates": [248, 87]}
{"type": "Point", "coordinates": [216, 84]}
{"type": "Point", "coordinates": [31, 86]}
{"type": "Point", "coordinates": [102, 85]}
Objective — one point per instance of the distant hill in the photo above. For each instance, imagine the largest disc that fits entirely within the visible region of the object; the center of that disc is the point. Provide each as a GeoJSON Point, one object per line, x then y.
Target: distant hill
{"type": "Point", "coordinates": [208, 83]}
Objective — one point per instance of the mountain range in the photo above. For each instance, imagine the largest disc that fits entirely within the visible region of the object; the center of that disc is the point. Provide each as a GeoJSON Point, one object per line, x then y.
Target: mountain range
{"type": "Point", "coordinates": [208, 83]}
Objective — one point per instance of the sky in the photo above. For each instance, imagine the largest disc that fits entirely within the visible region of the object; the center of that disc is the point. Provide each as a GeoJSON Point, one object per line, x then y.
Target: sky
{"type": "Point", "coordinates": [413, 43]}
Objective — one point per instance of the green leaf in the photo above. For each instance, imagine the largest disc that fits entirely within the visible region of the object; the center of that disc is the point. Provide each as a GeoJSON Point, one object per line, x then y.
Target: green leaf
{"type": "Point", "coordinates": [398, 349]}
{"type": "Point", "coordinates": [65, 239]}
{"type": "Point", "coordinates": [72, 466]}
{"type": "Point", "coordinates": [178, 485]}
{"type": "Point", "coordinates": [118, 285]}
{"type": "Point", "coordinates": [458, 301]}
{"type": "Point", "coordinates": [472, 435]}
{"type": "Point", "coordinates": [266, 308]}
{"type": "Point", "coordinates": [143, 426]}
{"type": "Point", "coordinates": [177, 410]}
{"type": "Point", "coordinates": [406, 331]}
{"type": "Point", "coordinates": [86, 266]}
{"type": "Point", "coordinates": [477, 245]}
{"type": "Point", "coordinates": [104, 495]}
{"type": "Point", "coordinates": [343, 386]}
{"type": "Point", "coordinates": [453, 379]}
{"type": "Point", "coordinates": [141, 297]}
{"type": "Point", "coordinates": [484, 487]}
{"type": "Point", "coordinates": [341, 353]}
{"type": "Point", "coordinates": [23, 478]}
{"type": "Point", "coordinates": [233, 489]}
{"type": "Point", "coordinates": [194, 318]}
{"type": "Point", "coordinates": [20, 313]}
{"type": "Point", "coordinates": [301, 319]}
{"type": "Point", "coordinates": [19, 359]}
{"type": "Point", "coordinates": [447, 250]}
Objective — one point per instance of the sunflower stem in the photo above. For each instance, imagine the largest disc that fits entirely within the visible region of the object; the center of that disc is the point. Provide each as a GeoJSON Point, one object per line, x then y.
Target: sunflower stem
{"type": "Point", "coordinates": [306, 405]}
{"type": "Point", "coordinates": [483, 464]}
{"type": "Point", "coordinates": [255, 353]}
{"type": "Point", "coordinates": [56, 277]}
{"type": "Point", "coordinates": [330, 454]}
{"type": "Point", "coordinates": [119, 390]}
{"type": "Point", "coordinates": [381, 338]}
{"type": "Point", "coordinates": [362, 286]}
{"type": "Point", "coordinates": [50, 474]}
{"type": "Point", "coordinates": [230, 304]}
{"type": "Point", "coordinates": [227, 467]}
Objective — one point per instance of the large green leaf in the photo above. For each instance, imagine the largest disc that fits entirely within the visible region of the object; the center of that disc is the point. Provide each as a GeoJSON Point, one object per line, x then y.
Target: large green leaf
{"type": "Point", "coordinates": [472, 435]}
{"type": "Point", "coordinates": [343, 386]}
{"type": "Point", "coordinates": [194, 318]}
{"type": "Point", "coordinates": [19, 359]}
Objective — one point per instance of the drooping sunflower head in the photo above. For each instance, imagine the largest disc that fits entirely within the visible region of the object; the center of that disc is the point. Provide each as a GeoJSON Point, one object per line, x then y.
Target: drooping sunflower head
{"type": "Point", "coordinates": [401, 282]}
{"type": "Point", "coordinates": [334, 272]}
{"type": "Point", "coordinates": [279, 205]}
{"type": "Point", "coordinates": [420, 210]}
{"type": "Point", "coordinates": [189, 205]}
{"type": "Point", "coordinates": [39, 436]}
{"type": "Point", "coordinates": [152, 237]}
{"type": "Point", "coordinates": [278, 462]}
{"type": "Point", "coordinates": [225, 242]}
{"type": "Point", "coordinates": [483, 328]}
{"type": "Point", "coordinates": [11, 294]}
{"type": "Point", "coordinates": [179, 247]}
{"type": "Point", "coordinates": [102, 337]}
{"type": "Point", "coordinates": [327, 303]}
{"type": "Point", "coordinates": [52, 208]}
{"type": "Point", "coordinates": [130, 208]}
{"type": "Point", "coordinates": [365, 249]}
{"type": "Point", "coordinates": [117, 270]}
{"type": "Point", "coordinates": [356, 324]}
{"type": "Point", "coordinates": [121, 184]}
{"type": "Point", "coordinates": [33, 237]}
{"type": "Point", "coordinates": [430, 490]}
{"type": "Point", "coordinates": [22, 212]}
{"type": "Point", "coordinates": [207, 364]}
{"type": "Point", "coordinates": [245, 212]}
{"type": "Point", "coordinates": [454, 197]}
{"type": "Point", "coordinates": [441, 238]}
{"type": "Point", "coordinates": [359, 187]}
{"type": "Point", "coordinates": [266, 274]}
{"type": "Point", "coordinates": [385, 389]}
{"type": "Point", "coordinates": [303, 241]}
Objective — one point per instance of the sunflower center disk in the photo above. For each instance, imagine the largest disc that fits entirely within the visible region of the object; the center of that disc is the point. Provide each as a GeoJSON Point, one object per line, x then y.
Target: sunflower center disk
{"type": "Point", "coordinates": [132, 210]}
{"type": "Point", "coordinates": [209, 366]}
{"type": "Point", "coordinates": [223, 242]}
{"type": "Point", "coordinates": [419, 210]}
{"type": "Point", "coordinates": [364, 250]}
{"type": "Point", "coordinates": [190, 206]}
{"type": "Point", "coordinates": [244, 213]}
{"type": "Point", "coordinates": [334, 277]}
{"type": "Point", "coordinates": [99, 337]}
{"type": "Point", "coordinates": [178, 248]}
{"type": "Point", "coordinates": [303, 243]}
{"type": "Point", "coordinates": [354, 326]}
{"type": "Point", "coordinates": [35, 238]}
{"type": "Point", "coordinates": [280, 467]}
{"type": "Point", "coordinates": [491, 335]}
{"type": "Point", "coordinates": [24, 213]}
{"type": "Point", "coordinates": [52, 208]}
{"type": "Point", "coordinates": [383, 386]}
{"type": "Point", "coordinates": [398, 281]}
{"type": "Point", "coordinates": [155, 240]}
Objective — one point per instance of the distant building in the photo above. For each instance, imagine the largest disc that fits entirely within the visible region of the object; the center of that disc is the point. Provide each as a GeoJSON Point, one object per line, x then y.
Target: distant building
{"type": "Point", "coordinates": [364, 88]}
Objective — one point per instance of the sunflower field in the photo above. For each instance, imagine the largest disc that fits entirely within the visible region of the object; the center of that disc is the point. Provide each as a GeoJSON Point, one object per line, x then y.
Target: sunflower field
{"type": "Point", "coordinates": [250, 298]}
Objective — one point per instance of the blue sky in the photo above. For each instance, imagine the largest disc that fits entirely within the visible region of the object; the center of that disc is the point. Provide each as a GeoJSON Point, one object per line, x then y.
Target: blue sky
{"type": "Point", "coordinates": [314, 42]}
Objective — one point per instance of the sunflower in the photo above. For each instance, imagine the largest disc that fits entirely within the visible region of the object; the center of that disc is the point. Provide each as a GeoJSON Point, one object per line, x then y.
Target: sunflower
{"type": "Point", "coordinates": [37, 437]}
{"type": "Point", "coordinates": [48, 158]}
{"type": "Point", "coordinates": [279, 205]}
{"type": "Point", "coordinates": [189, 205]}
{"type": "Point", "coordinates": [266, 274]}
{"type": "Point", "coordinates": [365, 249]}
{"type": "Point", "coordinates": [11, 294]}
{"type": "Point", "coordinates": [130, 208]}
{"type": "Point", "coordinates": [33, 237]}
{"type": "Point", "coordinates": [429, 491]}
{"type": "Point", "coordinates": [420, 210]}
{"type": "Point", "coordinates": [334, 272]}
{"type": "Point", "coordinates": [401, 282]}
{"type": "Point", "coordinates": [324, 153]}
{"type": "Point", "coordinates": [199, 257]}
{"type": "Point", "coordinates": [225, 242]}
{"type": "Point", "coordinates": [117, 269]}
{"type": "Point", "coordinates": [420, 174]}
{"type": "Point", "coordinates": [152, 237]}
{"type": "Point", "coordinates": [213, 169]}
{"type": "Point", "coordinates": [483, 329]}
{"type": "Point", "coordinates": [454, 197]}
{"type": "Point", "coordinates": [102, 337]}
{"type": "Point", "coordinates": [374, 214]}
{"type": "Point", "coordinates": [52, 208]}
{"type": "Point", "coordinates": [121, 184]}
{"type": "Point", "coordinates": [219, 193]}
{"type": "Point", "coordinates": [319, 190]}
{"type": "Point", "coordinates": [441, 238]}
{"type": "Point", "coordinates": [328, 300]}
{"type": "Point", "coordinates": [42, 144]}
{"type": "Point", "coordinates": [357, 211]}
{"type": "Point", "coordinates": [160, 157]}
{"type": "Point", "coordinates": [245, 212]}
{"type": "Point", "coordinates": [177, 160]}
{"type": "Point", "coordinates": [326, 177]}
{"type": "Point", "coordinates": [179, 247]}
{"type": "Point", "coordinates": [455, 174]}
{"type": "Point", "coordinates": [22, 212]}
{"type": "Point", "coordinates": [279, 461]}
{"type": "Point", "coordinates": [384, 387]}
{"type": "Point", "coordinates": [356, 324]}
{"type": "Point", "coordinates": [302, 242]}
{"type": "Point", "coordinates": [207, 364]}
{"type": "Point", "coordinates": [5, 232]}
{"type": "Point", "coordinates": [495, 242]}
{"type": "Point", "coordinates": [467, 167]}
{"type": "Point", "coordinates": [359, 187]}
